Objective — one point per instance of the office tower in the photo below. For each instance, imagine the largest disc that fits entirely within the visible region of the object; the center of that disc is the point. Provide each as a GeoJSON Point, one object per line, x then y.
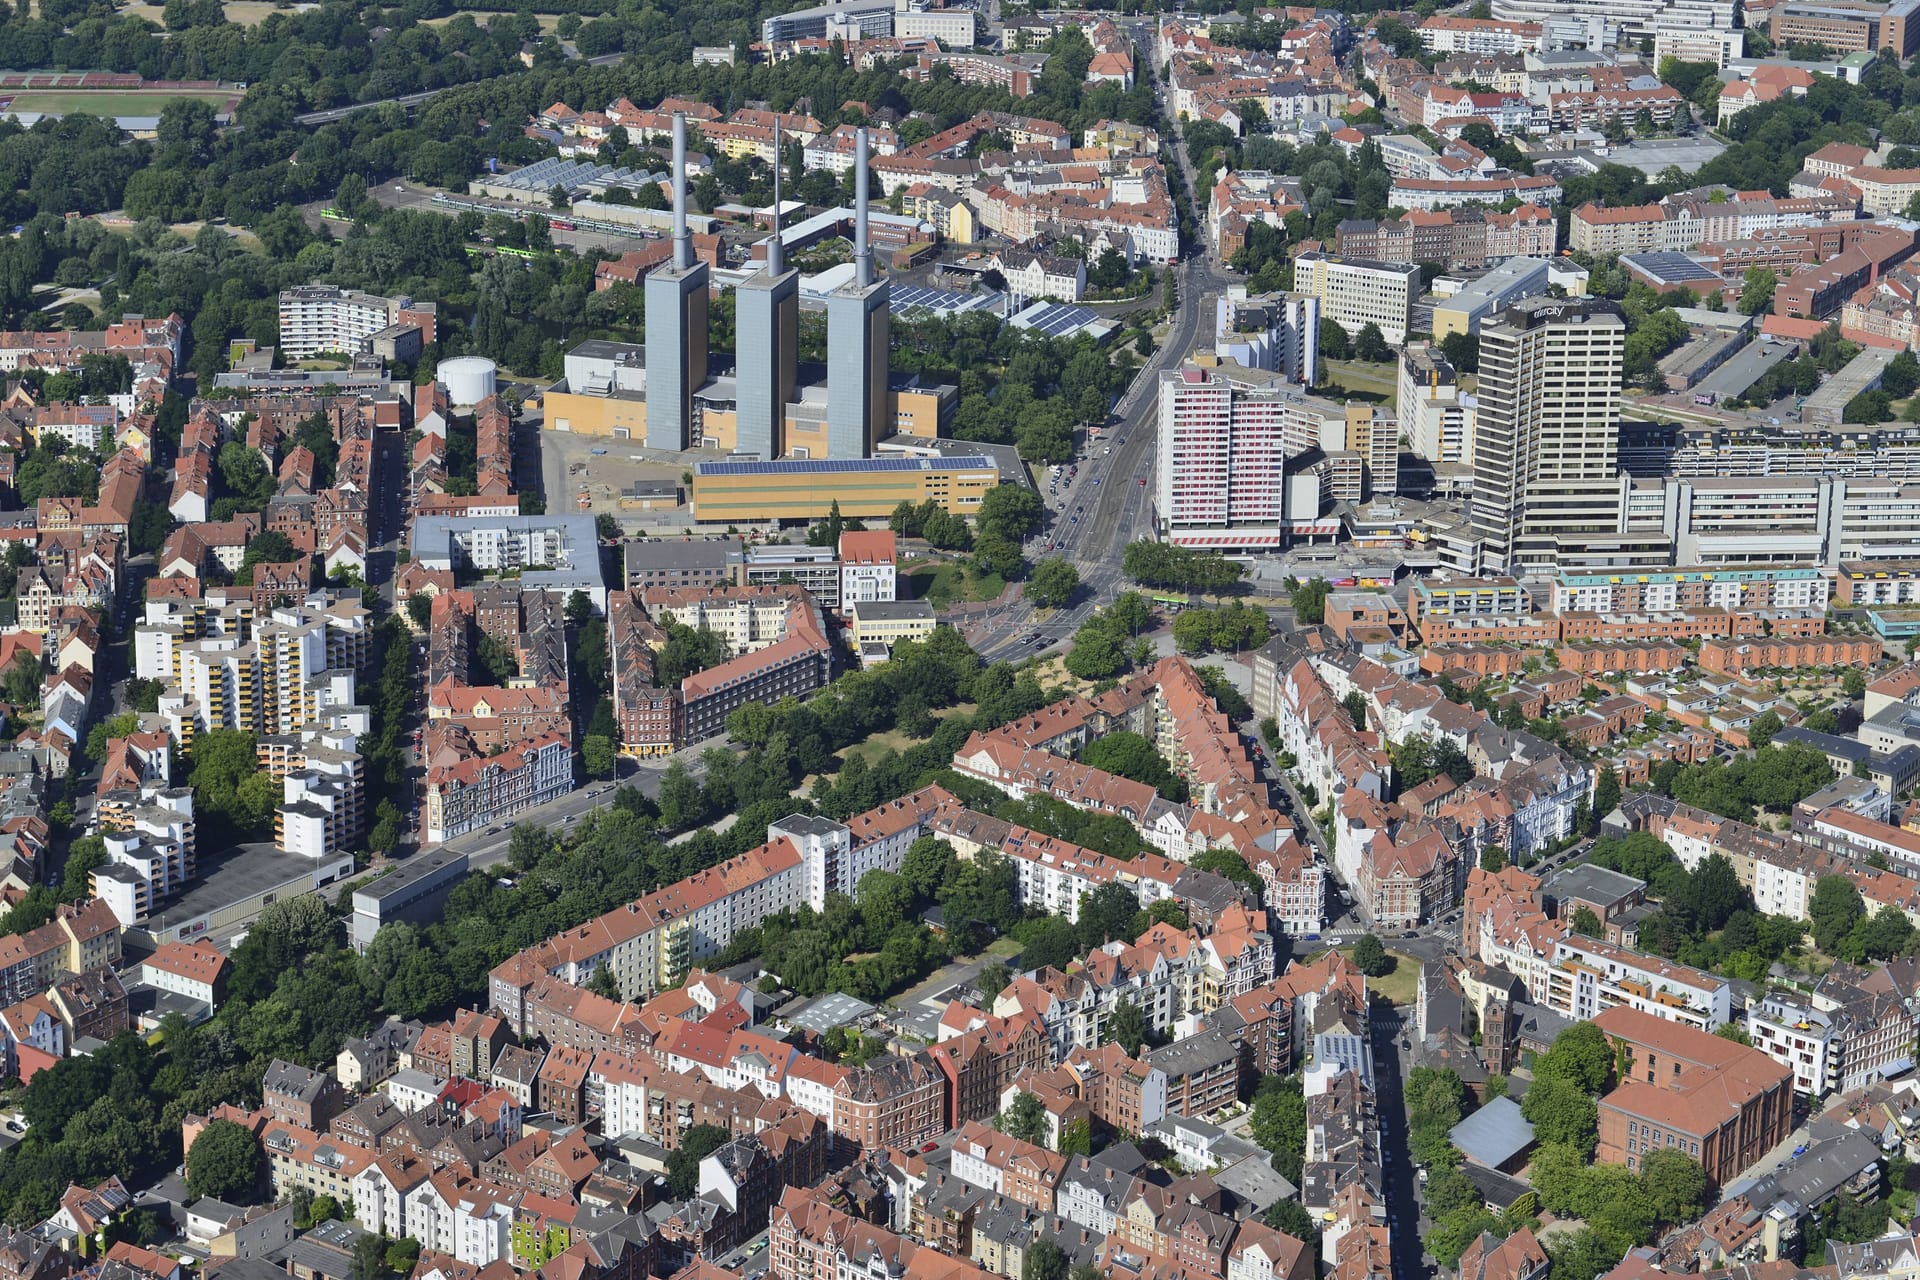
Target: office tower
{"type": "Point", "coordinates": [857, 339]}
{"type": "Point", "coordinates": [676, 323]}
{"type": "Point", "coordinates": [767, 316]}
{"type": "Point", "coordinates": [1354, 293]}
{"type": "Point", "coordinates": [1546, 442]}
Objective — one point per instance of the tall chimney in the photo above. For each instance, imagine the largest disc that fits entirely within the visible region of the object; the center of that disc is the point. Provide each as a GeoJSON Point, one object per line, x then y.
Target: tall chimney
{"type": "Point", "coordinates": [862, 248]}
{"type": "Point", "coordinates": [682, 242]}
{"type": "Point", "coordinates": [776, 256]}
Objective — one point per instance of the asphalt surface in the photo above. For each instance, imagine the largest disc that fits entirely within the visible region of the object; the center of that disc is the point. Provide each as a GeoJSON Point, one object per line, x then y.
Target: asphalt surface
{"type": "Point", "coordinates": [488, 846]}
{"type": "Point", "coordinates": [412, 100]}
{"type": "Point", "coordinates": [1110, 502]}
{"type": "Point", "coordinates": [1403, 1213]}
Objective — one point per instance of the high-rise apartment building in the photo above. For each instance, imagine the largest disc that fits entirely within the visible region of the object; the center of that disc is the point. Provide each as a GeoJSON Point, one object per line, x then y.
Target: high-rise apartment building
{"type": "Point", "coordinates": [1546, 440]}
{"type": "Point", "coordinates": [321, 317]}
{"type": "Point", "coordinates": [1355, 292]}
{"type": "Point", "coordinates": [1436, 417]}
{"type": "Point", "coordinates": [1227, 434]}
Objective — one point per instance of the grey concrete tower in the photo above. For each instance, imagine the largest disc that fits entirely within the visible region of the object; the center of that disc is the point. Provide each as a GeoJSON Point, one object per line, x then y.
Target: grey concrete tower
{"type": "Point", "coordinates": [676, 323]}
{"type": "Point", "coordinates": [767, 319]}
{"type": "Point", "coordinates": [857, 339]}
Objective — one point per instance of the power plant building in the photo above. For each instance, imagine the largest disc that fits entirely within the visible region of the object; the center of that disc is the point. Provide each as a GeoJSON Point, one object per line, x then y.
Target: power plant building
{"type": "Point", "coordinates": [676, 323]}
{"type": "Point", "coordinates": [767, 318]}
{"type": "Point", "coordinates": [766, 408]}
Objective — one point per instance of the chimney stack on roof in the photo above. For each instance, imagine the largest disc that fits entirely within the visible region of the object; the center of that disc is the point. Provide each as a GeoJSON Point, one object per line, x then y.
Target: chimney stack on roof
{"type": "Point", "coordinates": [682, 242]}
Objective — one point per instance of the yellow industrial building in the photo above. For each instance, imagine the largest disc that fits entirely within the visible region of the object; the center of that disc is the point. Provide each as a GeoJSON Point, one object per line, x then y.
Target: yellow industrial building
{"type": "Point", "coordinates": [604, 394]}
{"type": "Point", "coordinates": [728, 492]}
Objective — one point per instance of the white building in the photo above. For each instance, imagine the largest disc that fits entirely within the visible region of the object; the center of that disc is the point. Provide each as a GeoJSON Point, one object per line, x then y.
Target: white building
{"type": "Point", "coordinates": [320, 317]}
{"type": "Point", "coordinates": [1436, 417]}
{"type": "Point", "coordinates": [191, 969]}
{"type": "Point", "coordinates": [1354, 293]}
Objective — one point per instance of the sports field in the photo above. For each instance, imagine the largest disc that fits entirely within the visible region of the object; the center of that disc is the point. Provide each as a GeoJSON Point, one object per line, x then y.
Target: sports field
{"type": "Point", "coordinates": [105, 102]}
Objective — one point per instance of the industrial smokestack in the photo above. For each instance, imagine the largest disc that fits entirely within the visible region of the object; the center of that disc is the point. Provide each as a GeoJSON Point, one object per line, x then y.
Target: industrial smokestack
{"type": "Point", "coordinates": [776, 256]}
{"type": "Point", "coordinates": [682, 242]}
{"type": "Point", "coordinates": [862, 248]}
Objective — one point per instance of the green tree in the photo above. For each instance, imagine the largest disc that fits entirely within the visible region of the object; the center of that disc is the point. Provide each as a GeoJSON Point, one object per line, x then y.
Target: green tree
{"type": "Point", "coordinates": [1588, 924]}
{"type": "Point", "coordinates": [1606, 792]}
{"type": "Point", "coordinates": [22, 682]}
{"type": "Point", "coordinates": [1370, 344]}
{"type": "Point", "coordinates": [1126, 1027]}
{"type": "Point", "coordinates": [1044, 1261]}
{"type": "Point", "coordinates": [1764, 727]}
{"type": "Point", "coordinates": [224, 1162]}
{"type": "Point", "coordinates": [1834, 910]}
{"type": "Point", "coordinates": [228, 784]}
{"type": "Point", "coordinates": [1309, 601]}
{"type": "Point", "coordinates": [1024, 1119]}
{"type": "Point", "coordinates": [1853, 682]}
{"type": "Point", "coordinates": [1229, 865]}
{"type": "Point", "coordinates": [1756, 291]}
{"type": "Point", "coordinates": [1675, 1184]}
{"type": "Point", "coordinates": [1561, 1113]}
{"type": "Point", "coordinates": [1130, 755]}
{"type": "Point", "coordinates": [683, 1162]}
{"type": "Point", "coordinates": [369, 1261]}
{"type": "Point", "coordinates": [1052, 583]}
{"type": "Point", "coordinates": [682, 804]}
{"type": "Point", "coordinates": [104, 732]}
{"type": "Point", "coordinates": [1371, 958]}
{"type": "Point", "coordinates": [1334, 344]}
{"type": "Point", "coordinates": [85, 855]}
{"type": "Point", "coordinates": [596, 755]}
{"type": "Point", "coordinates": [1010, 511]}
{"type": "Point", "coordinates": [1580, 1055]}
{"type": "Point", "coordinates": [1493, 858]}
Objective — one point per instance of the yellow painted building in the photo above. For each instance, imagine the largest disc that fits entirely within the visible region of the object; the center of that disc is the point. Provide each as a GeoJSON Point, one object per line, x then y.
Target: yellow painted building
{"type": "Point", "coordinates": [622, 415]}
{"type": "Point", "coordinates": [727, 492]}
{"type": "Point", "coordinates": [887, 622]}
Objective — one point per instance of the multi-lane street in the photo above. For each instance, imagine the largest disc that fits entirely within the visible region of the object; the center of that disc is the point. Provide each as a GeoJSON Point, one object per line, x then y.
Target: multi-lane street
{"type": "Point", "coordinates": [1110, 501]}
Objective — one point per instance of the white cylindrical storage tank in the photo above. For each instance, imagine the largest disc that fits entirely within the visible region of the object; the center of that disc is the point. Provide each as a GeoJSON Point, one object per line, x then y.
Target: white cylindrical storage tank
{"type": "Point", "coordinates": [468, 379]}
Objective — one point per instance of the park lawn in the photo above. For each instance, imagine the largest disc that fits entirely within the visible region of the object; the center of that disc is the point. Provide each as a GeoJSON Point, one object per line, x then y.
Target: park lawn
{"type": "Point", "coordinates": [1358, 378]}
{"type": "Point", "coordinates": [1397, 987]}
{"type": "Point", "coordinates": [106, 102]}
{"type": "Point", "coordinates": [893, 740]}
{"type": "Point", "coordinates": [948, 582]}
{"type": "Point", "coordinates": [244, 12]}
{"type": "Point", "coordinates": [549, 22]}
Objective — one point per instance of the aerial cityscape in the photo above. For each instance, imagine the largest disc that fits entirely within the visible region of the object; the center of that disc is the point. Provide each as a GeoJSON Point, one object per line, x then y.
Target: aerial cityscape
{"type": "Point", "coordinates": [952, 639]}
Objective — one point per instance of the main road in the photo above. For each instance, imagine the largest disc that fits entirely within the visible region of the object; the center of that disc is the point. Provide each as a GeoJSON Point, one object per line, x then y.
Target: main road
{"type": "Point", "coordinates": [1110, 502]}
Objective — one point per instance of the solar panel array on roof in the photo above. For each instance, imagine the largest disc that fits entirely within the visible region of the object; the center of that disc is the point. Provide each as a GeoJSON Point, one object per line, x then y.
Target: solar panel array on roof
{"type": "Point", "coordinates": [944, 301]}
{"type": "Point", "coordinates": [1055, 319]}
{"type": "Point", "coordinates": [841, 466]}
{"type": "Point", "coordinates": [554, 171]}
{"type": "Point", "coordinates": [1674, 268]}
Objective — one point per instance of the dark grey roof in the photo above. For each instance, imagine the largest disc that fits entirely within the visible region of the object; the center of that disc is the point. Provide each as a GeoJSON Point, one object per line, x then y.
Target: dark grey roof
{"type": "Point", "coordinates": [1194, 1054]}
{"type": "Point", "coordinates": [1590, 883]}
{"type": "Point", "coordinates": [1496, 1188]}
